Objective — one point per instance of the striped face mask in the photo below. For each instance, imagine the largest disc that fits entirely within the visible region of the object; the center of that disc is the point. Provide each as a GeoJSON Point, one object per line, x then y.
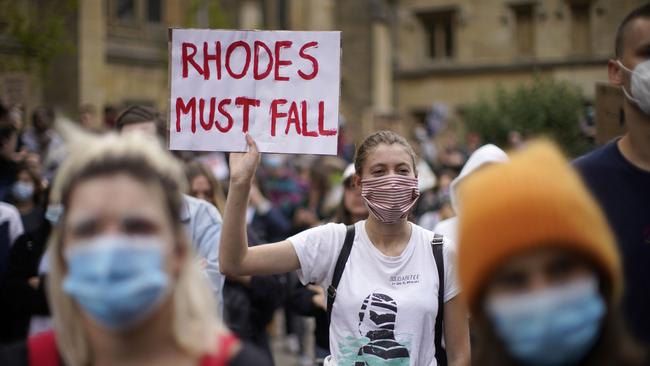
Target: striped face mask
{"type": "Point", "coordinates": [389, 198]}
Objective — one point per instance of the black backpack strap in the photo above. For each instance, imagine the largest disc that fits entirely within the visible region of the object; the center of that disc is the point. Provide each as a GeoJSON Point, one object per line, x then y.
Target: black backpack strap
{"type": "Point", "coordinates": [436, 246]}
{"type": "Point", "coordinates": [338, 270]}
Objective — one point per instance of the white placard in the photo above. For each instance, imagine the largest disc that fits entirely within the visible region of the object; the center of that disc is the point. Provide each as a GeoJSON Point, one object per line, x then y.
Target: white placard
{"type": "Point", "coordinates": [281, 87]}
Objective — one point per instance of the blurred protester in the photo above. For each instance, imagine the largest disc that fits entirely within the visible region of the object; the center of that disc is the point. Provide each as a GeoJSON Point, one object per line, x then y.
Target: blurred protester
{"type": "Point", "coordinates": [8, 142]}
{"type": "Point", "coordinates": [204, 185]}
{"type": "Point", "coordinates": [143, 119]}
{"type": "Point", "coordinates": [286, 186]}
{"type": "Point", "coordinates": [428, 149]}
{"type": "Point", "coordinates": [316, 174]}
{"type": "Point", "coordinates": [427, 184]}
{"type": "Point", "coordinates": [445, 178]}
{"type": "Point", "coordinates": [24, 289]}
{"type": "Point", "coordinates": [16, 112]}
{"type": "Point", "coordinates": [249, 301]}
{"type": "Point", "coordinates": [364, 324]}
{"type": "Point", "coordinates": [110, 117]}
{"type": "Point", "coordinates": [310, 300]}
{"type": "Point", "coordinates": [618, 173]}
{"type": "Point", "coordinates": [473, 142]}
{"type": "Point", "coordinates": [352, 208]}
{"type": "Point", "coordinates": [124, 287]}
{"type": "Point", "coordinates": [88, 117]}
{"type": "Point", "coordinates": [440, 212]}
{"type": "Point", "coordinates": [283, 187]}
{"type": "Point", "coordinates": [345, 142]}
{"type": "Point", "coordinates": [41, 138]}
{"type": "Point", "coordinates": [538, 266]}
{"type": "Point", "coordinates": [202, 220]}
{"type": "Point", "coordinates": [266, 220]}
{"type": "Point", "coordinates": [483, 156]}
{"type": "Point", "coordinates": [515, 140]}
{"type": "Point", "coordinates": [434, 203]}
{"type": "Point", "coordinates": [27, 195]}
{"type": "Point", "coordinates": [452, 156]}
{"type": "Point", "coordinates": [11, 227]}
{"type": "Point", "coordinates": [319, 176]}
{"type": "Point", "coordinates": [436, 118]}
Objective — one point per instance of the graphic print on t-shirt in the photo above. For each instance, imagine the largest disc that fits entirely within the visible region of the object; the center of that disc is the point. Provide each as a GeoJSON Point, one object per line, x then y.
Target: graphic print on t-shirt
{"type": "Point", "coordinates": [377, 344]}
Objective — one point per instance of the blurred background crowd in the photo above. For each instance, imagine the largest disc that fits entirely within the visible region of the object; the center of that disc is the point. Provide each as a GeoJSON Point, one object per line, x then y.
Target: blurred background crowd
{"type": "Point", "coordinates": [449, 75]}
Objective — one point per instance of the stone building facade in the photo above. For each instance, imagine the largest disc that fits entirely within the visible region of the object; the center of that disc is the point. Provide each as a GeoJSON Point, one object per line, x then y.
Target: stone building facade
{"type": "Point", "coordinates": [454, 51]}
{"type": "Point", "coordinates": [118, 56]}
{"type": "Point", "coordinates": [398, 56]}
{"type": "Point", "coordinates": [402, 56]}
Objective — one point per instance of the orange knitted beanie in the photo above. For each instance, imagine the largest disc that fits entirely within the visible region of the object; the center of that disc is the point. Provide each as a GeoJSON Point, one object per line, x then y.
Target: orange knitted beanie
{"type": "Point", "coordinates": [534, 200]}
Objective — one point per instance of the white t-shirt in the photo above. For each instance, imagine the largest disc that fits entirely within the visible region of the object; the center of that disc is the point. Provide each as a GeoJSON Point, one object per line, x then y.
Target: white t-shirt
{"type": "Point", "coordinates": [385, 307]}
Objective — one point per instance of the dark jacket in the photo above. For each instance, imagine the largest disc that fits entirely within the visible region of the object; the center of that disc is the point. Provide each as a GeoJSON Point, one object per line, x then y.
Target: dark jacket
{"type": "Point", "coordinates": [18, 299]}
{"type": "Point", "coordinates": [248, 310]}
{"type": "Point", "coordinates": [300, 301]}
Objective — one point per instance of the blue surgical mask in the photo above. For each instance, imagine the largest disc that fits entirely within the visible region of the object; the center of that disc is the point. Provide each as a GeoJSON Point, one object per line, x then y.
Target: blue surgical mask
{"type": "Point", "coordinates": [556, 326]}
{"type": "Point", "coordinates": [22, 191]}
{"type": "Point", "coordinates": [118, 280]}
{"type": "Point", "coordinates": [53, 213]}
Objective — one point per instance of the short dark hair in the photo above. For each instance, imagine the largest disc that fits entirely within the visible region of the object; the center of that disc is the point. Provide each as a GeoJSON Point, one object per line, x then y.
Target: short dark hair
{"type": "Point", "coordinates": [640, 12]}
{"type": "Point", "coordinates": [43, 111]}
{"type": "Point", "coordinates": [140, 114]}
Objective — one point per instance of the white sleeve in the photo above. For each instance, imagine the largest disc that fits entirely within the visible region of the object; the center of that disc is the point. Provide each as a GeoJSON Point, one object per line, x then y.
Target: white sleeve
{"type": "Point", "coordinates": [317, 250]}
{"type": "Point", "coordinates": [15, 224]}
{"type": "Point", "coordinates": [452, 287]}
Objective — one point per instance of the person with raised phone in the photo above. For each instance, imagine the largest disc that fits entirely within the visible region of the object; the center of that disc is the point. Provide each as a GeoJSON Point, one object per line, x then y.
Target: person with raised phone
{"type": "Point", "coordinates": [391, 284]}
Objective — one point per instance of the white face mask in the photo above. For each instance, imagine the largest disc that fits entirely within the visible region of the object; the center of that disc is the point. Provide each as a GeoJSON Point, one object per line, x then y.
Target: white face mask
{"type": "Point", "coordinates": [640, 85]}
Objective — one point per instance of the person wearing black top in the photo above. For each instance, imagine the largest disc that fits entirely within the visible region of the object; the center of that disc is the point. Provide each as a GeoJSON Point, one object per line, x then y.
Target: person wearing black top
{"type": "Point", "coordinates": [618, 174]}
{"type": "Point", "coordinates": [23, 292]}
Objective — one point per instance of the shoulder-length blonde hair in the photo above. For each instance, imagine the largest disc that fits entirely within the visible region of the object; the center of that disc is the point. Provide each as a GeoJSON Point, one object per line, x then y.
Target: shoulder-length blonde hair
{"type": "Point", "coordinates": [195, 324]}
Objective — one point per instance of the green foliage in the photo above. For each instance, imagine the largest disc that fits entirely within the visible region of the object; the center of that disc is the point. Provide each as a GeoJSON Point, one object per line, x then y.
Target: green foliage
{"type": "Point", "coordinates": [545, 107]}
{"type": "Point", "coordinates": [36, 29]}
{"type": "Point", "coordinates": [211, 10]}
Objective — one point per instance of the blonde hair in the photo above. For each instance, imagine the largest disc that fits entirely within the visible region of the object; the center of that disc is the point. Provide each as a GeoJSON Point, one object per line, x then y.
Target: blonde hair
{"type": "Point", "coordinates": [195, 324]}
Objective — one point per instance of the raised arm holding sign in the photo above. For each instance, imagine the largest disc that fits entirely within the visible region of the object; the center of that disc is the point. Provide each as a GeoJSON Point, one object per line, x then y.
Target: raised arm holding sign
{"type": "Point", "coordinates": [386, 241]}
{"type": "Point", "coordinates": [280, 87]}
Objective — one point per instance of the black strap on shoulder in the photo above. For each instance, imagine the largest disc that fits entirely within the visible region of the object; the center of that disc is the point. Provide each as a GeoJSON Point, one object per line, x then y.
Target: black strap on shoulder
{"type": "Point", "coordinates": [436, 246]}
{"type": "Point", "coordinates": [338, 270]}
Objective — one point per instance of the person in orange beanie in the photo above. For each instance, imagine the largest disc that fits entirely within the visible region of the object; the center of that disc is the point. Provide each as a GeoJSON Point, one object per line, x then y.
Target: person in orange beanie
{"type": "Point", "coordinates": [538, 266]}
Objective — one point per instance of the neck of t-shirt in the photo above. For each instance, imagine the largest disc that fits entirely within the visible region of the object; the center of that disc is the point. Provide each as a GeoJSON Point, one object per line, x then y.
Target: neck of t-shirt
{"type": "Point", "coordinates": [635, 150]}
{"type": "Point", "coordinates": [389, 239]}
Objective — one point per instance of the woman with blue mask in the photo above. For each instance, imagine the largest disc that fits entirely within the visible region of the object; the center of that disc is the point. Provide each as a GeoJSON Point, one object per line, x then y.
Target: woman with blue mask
{"type": "Point", "coordinates": [27, 195]}
{"type": "Point", "coordinates": [124, 286]}
{"type": "Point", "coordinates": [24, 286]}
{"type": "Point", "coordinates": [538, 266]}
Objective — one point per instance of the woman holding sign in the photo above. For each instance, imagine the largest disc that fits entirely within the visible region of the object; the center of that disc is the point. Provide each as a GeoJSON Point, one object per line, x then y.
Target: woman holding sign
{"type": "Point", "coordinates": [391, 283]}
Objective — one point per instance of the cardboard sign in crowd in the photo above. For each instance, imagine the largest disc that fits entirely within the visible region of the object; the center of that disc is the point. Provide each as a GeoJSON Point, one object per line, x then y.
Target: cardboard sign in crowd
{"type": "Point", "coordinates": [280, 87]}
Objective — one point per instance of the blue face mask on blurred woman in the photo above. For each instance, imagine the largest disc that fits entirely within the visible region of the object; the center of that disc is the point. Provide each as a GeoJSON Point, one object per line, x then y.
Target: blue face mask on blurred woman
{"type": "Point", "coordinates": [22, 191]}
{"type": "Point", "coordinates": [118, 280]}
{"type": "Point", "coordinates": [639, 85]}
{"type": "Point", "coordinates": [553, 326]}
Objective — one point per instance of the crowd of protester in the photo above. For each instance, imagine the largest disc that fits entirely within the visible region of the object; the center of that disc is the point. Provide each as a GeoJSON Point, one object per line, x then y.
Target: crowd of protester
{"type": "Point", "coordinates": [114, 250]}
